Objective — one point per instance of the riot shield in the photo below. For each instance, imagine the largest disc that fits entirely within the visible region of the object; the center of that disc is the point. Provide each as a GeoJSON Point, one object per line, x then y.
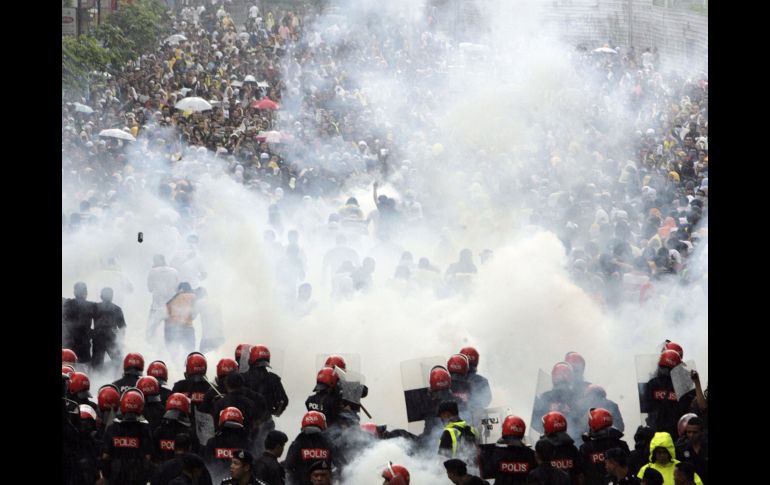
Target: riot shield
{"type": "Point", "coordinates": [415, 379]}
{"type": "Point", "coordinates": [204, 426]}
{"type": "Point", "coordinates": [352, 361]}
{"type": "Point", "coordinates": [351, 385]}
{"type": "Point", "coordinates": [535, 422]}
{"type": "Point", "coordinates": [682, 379]}
{"type": "Point", "coordinates": [490, 424]}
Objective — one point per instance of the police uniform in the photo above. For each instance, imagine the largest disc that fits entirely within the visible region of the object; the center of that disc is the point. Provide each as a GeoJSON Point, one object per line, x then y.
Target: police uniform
{"type": "Point", "coordinates": [328, 402]}
{"type": "Point", "coordinates": [307, 449]}
{"type": "Point", "coordinates": [566, 456]}
{"type": "Point", "coordinates": [458, 440]}
{"type": "Point", "coordinates": [220, 449]}
{"type": "Point", "coordinates": [592, 453]}
{"type": "Point", "coordinates": [128, 444]}
{"type": "Point", "coordinates": [509, 461]}
{"type": "Point", "coordinates": [164, 438]}
{"type": "Point", "coordinates": [269, 386]}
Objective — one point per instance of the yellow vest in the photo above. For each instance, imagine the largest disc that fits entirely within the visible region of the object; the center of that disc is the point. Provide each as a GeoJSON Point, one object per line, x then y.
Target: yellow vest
{"type": "Point", "coordinates": [455, 430]}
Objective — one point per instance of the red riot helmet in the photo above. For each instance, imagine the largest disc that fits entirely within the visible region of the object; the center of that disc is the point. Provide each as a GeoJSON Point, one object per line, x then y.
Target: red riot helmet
{"type": "Point", "coordinates": [259, 355]}
{"type": "Point", "coordinates": [177, 406]}
{"type": "Point", "coordinates": [195, 365]}
{"type": "Point", "coordinates": [562, 373]}
{"type": "Point", "coordinates": [669, 358]}
{"type": "Point", "coordinates": [514, 426]}
{"type": "Point", "coordinates": [554, 422]}
{"type": "Point", "coordinates": [133, 363]}
{"type": "Point", "coordinates": [314, 419]}
{"type": "Point", "coordinates": [596, 390]}
{"type": "Point", "coordinates": [598, 419]}
{"type": "Point", "coordinates": [325, 377]}
{"type": "Point", "coordinates": [226, 367]}
{"type": "Point", "coordinates": [238, 351]}
{"type": "Point", "coordinates": [458, 364]}
{"type": "Point", "coordinates": [473, 356]}
{"type": "Point", "coordinates": [108, 397]}
{"type": "Point", "coordinates": [335, 360]}
{"type": "Point", "coordinates": [440, 378]}
{"type": "Point", "coordinates": [158, 370]}
{"type": "Point", "coordinates": [67, 369]}
{"type": "Point", "coordinates": [68, 356]}
{"type": "Point", "coordinates": [80, 385]}
{"type": "Point", "coordinates": [149, 387]}
{"type": "Point", "coordinates": [231, 417]}
{"type": "Point", "coordinates": [396, 474]}
{"type": "Point", "coordinates": [132, 401]}
{"type": "Point", "coordinates": [577, 362]}
{"type": "Point", "coordinates": [674, 346]}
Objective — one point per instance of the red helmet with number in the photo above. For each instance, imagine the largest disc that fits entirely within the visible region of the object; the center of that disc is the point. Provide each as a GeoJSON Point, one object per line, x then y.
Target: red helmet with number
{"type": "Point", "coordinates": [67, 369]}
{"type": "Point", "coordinates": [514, 426]}
{"type": "Point", "coordinates": [562, 373]}
{"type": "Point", "coordinates": [68, 356]}
{"type": "Point", "coordinates": [149, 387]}
{"type": "Point", "coordinates": [681, 426]}
{"type": "Point", "coordinates": [80, 384]}
{"type": "Point", "coordinates": [335, 360]}
{"type": "Point", "coordinates": [238, 351]}
{"type": "Point", "coordinates": [158, 370]}
{"type": "Point", "coordinates": [674, 346]}
{"type": "Point", "coordinates": [472, 354]}
{"type": "Point", "coordinates": [326, 377]}
{"type": "Point", "coordinates": [458, 364]}
{"type": "Point", "coordinates": [177, 406]}
{"type": "Point", "coordinates": [133, 363]}
{"type": "Point", "coordinates": [225, 367]}
{"type": "Point", "coordinates": [314, 419]}
{"type": "Point", "coordinates": [259, 355]}
{"type": "Point", "coordinates": [440, 378]}
{"type": "Point", "coordinates": [132, 401]}
{"type": "Point", "coordinates": [396, 474]}
{"type": "Point", "coordinates": [670, 359]}
{"type": "Point", "coordinates": [577, 362]}
{"type": "Point", "coordinates": [598, 419]}
{"type": "Point", "coordinates": [195, 364]}
{"type": "Point", "coordinates": [108, 397]}
{"type": "Point", "coordinates": [554, 422]}
{"type": "Point", "coordinates": [87, 412]}
{"type": "Point", "coordinates": [231, 417]}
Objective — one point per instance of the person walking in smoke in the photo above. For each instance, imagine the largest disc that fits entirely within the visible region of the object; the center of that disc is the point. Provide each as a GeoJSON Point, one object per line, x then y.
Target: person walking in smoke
{"type": "Point", "coordinates": [109, 330]}
{"type": "Point", "coordinates": [162, 282]}
{"type": "Point", "coordinates": [210, 313]}
{"type": "Point", "coordinates": [179, 332]}
{"type": "Point", "coordinates": [78, 315]}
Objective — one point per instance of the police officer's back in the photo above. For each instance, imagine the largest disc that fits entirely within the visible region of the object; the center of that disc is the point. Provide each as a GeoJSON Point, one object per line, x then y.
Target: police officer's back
{"type": "Point", "coordinates": [230, 438]}
{"type": "Point", "coordinates": [601, 437]}
{"type": "Point", "coordinates": [127, 443]}
{"type": "Point", "coordinates": [545, 473]}
{"type": "Point", "coordinates": [509, 461]}
{"type": "Point", "coordinates": [267, 468]}
{"type": "Point", "coordinates": [253, 411]}
{"type": "Point", "coordinates": [310, 446]}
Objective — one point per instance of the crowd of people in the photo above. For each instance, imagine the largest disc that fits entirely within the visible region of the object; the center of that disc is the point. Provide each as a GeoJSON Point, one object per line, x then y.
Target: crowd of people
{"type": "Point", "coordinates": [293, 122]}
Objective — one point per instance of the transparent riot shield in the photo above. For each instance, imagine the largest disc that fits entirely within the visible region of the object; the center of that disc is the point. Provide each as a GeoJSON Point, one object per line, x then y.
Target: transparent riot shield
{"type": "Point", "coordinates": [646, 369]}
{"type": "Point", "coordinates": [243, 363]}
{"type": "Point", "coordinates": [204, 426]}
{"type": "Point", "coordinates": [351, 384]}
{"type": "Point", "coordinates": [415, 379]}
{"type": "Point", "coordinates": [489, 423]}
{"type": "Point", "coordinates": [535, 422]}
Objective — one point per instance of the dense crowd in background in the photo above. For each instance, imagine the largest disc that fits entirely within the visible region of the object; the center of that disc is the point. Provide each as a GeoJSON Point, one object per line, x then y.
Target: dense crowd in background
{"type": "Point", "coordinates": [291, 122]}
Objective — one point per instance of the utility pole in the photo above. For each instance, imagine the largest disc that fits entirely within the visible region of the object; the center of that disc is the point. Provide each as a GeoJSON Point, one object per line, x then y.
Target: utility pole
{"type": "Point", "coordinates": [77, 18]}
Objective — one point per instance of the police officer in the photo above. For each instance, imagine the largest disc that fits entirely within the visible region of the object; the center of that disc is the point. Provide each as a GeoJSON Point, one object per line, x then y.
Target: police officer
{"type": "Point", "coordinates": [109, 330]}
{"type": "Point", "coordinates": [321, 473]}
{"type": "Point", "coordinates": [127, 443]}
{"type": "Point", "coordinates": [616, 464]}
{"type": "Point", "coordinates": [225, 367]}
{"type": "Point", "coordinates": [241, 470]}
{"type": "Point", "coordinates": [159, 371]}
{"type": "Point", "coordinates": [89, 447]}
{"type": "Point", "coordinates": [154, 409]}
{"type": "Point", "coordinates": [266, 383]}
{"type": "Point", "coordinates": [601, 437]}
{"type": "Point", "coordinates": [562, 398]}
{"type": "Point", "coordinates": [578, 364]}
{"type": "Point", "coordinates": [77, 318]}
{"type": "Point", "coordinates": [253, 411]}
{"type": "Point", "coordinates": [133, 366]}
{"type": "Point", "coordinates": [108, 400]}
{"type": "Point", "coordinates": [176, 420]}
{"type": "Point", "coordinates": [459, 439]}
{"type": "Point", "coordinates": [546, 473]}
{"type": "Point", "coordinates": [481, 394]}
{"type": "Point", "coordinates": [172, 468]}
{"type": "Point", "coordinates": [194, 384]}
{"type": "Point", "coordinates": [566, 456]}
{"type": "Point", "coordinates": [509, 461]}
{"type": "Point", "coordinates": [439, 390]}
{"type": "Point", "coordinates": [458, 366]}
{"type": "Point", "coordinates": [229, 439]}
{"type": "Point", "coordinates": [695, 448]}
{"type": "Point", "coordinates": [457, 472]}
{"type": "Point", "coordinates": [665, 407]}
{"type": "Point", "coordinates": [193, 469]}
{"type": "Point", "coordinates": [310, 445]}
{"type": "Point", "coordinates": [596, 397]}
{"type": "Point", "coordinates": [395, 475]}
{"type": "Point", "coordinates": [267, 468]}
{"type": "Point", "coordinates": [327, 398]}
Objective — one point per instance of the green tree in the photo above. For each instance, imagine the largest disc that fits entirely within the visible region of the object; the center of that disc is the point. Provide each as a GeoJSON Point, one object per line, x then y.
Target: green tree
{"type": "Point", "coordinates": [141, 22]}
{"type": "Point", "coordinates": [80, 57]}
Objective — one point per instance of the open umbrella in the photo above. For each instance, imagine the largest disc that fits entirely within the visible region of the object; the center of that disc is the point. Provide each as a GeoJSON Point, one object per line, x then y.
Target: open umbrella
{"type": "Point", "coordinates": [175, 39]}
{"type": "Point", "coordinates": [236, 84]}
{"type": "Point", "coordinates": [606, 50]}
{"type": "Point", "coordinates": [193, 104]}
{"type": "Point", "coordinates": [82, 108]}
{"type": "Point", "coordinates": [116, 133]}
{"type": "Point", "coordinates": [265, 103]}
{"type": "Point", "coordinates": [250, 79]}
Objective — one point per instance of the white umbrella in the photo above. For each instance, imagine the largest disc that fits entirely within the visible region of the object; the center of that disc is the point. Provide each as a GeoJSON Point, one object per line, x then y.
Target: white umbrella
{"type": "Point", "coordinates": [175, 39]}
{"type": "Point", "coordinates": [215, 102]}
{"type": "Point", "coordinates": [236, 84]}
{"type": "Point", "coordinates": [244, 35]}
{"type": "Point", "coordinates": [249, 79]}
{"type": "Point", "coordinates": [117, 133]}
{"type": "Point", "coordinates": [606, 50]}
{"type": "Point", "coordinates": [193, 104]}
{"type": "Point", "coordinates": [82, 108]}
